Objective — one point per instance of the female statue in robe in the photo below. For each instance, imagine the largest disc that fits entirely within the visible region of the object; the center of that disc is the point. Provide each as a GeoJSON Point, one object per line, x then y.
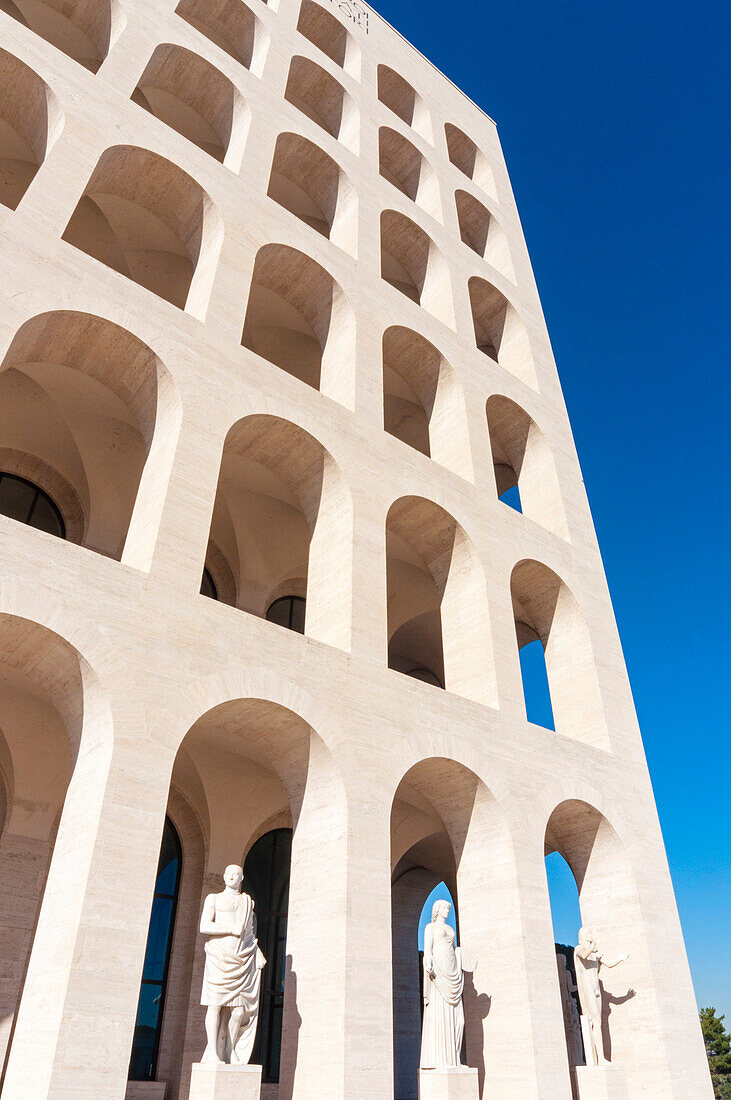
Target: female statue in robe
{"type": "Point", "coordinates": [443, 1027]}
{"type": "Point", "coordinates": [232, 974]}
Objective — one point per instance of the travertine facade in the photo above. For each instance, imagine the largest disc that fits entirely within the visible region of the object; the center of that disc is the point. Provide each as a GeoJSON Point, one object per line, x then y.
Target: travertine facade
{"type": "Point", "coordinates": [267, 308]}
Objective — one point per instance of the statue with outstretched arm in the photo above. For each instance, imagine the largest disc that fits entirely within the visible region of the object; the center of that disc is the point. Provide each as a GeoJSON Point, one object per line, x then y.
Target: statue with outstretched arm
{"type": "Point", "coordinates": [588, 962]}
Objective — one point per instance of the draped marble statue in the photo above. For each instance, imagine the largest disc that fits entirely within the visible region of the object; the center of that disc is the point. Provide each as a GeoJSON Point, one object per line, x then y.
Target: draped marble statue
{"type": "Point", "coordinates": [443, 1026]}
{"type": "Point", "coordinates": [588, 962]}
{"type": "Point", "coordinates": [570, 1012]}
{"type": "Point", "coordinates": [232, 974]}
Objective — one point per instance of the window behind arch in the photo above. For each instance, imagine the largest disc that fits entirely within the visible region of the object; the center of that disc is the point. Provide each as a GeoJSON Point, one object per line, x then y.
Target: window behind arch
{"type": "Point", "coordinates": [266, 879]}
{"type": "Point", "coordinates": [22, 500]}
{"type": "Point", "coordinates": [148, 1025]}
{"type": "Point", "coordinates": [288, 611]}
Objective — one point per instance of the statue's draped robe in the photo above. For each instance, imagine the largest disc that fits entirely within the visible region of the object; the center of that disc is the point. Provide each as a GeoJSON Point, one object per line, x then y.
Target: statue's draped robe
{"type": "Point", "coordinates": [587, 984]}
{"type": "Point", "coordinates": [231, 977]}
{"type": "Point", "coordinates": [443, 1027]}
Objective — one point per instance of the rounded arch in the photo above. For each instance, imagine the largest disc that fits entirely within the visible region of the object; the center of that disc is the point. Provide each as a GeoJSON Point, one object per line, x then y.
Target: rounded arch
{"type": "Point", "coordinates": [56, 737]}
{"type": "Point", "coordinates": [283, 510]}
{"type": "Point", "coordinates": [30, 121]}
{"type": "Point", "coordinates": [402, 164]}
{"type": "Point", "coordinates": [85, 32]}
{"type": "Point", "coordinates": [522, 458]}
{"type": "Point", "coordinates": [322, 98]}
{"type": "Point", "coordinates": [299, 318]}
{"type": "Point", "coordinates": [194, 98]}
{"type": "Point", "coordinates": [329, 35]}
{"type": "Point", "coordinates": [481, 231]}
{"type": "Point", "coordinates": [611, 909]}
{"type": "Point", "coordinates": [108, 470]}
{"type": "Point", "coordinates": [310, 184]}
{"type": "Point", "coordinates": [500, 332]}
{"type": "Point", "coordinates": [545, 609]}
{"type": "Point", "coordinates": [446, 825]}
{"type": "Point", "coordinates": [438, 616]}
{"type": "Point", "coordinates": [147, 219]}
{"type": "Point", "coordinates": [255, 764]}
{"type": "Point", "coordinates": [412, 263]}
{"type": "Point", "coordinates": [400, 97]}
{"type": "Point", "coordinates": [423, 400]}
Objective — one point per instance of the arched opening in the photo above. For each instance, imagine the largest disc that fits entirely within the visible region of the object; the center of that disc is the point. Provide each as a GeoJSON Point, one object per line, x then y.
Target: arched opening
{"type": "Point", "coordinates": [282, 519]}
{"type": "Point", "coordinates": [144, 217]}
{"type": "Point", "coordinates": [525, 472]}
{"type": "Point", "coordinates": [195, 99]}
{"type": "Point", "coordinates": [266, 880]}
{"type": "Point", "coordinates": [151, 1006]}
{"type": "Point", "coordinates": [319, 96]}
{"type": "Point", "coordinates": [84, 30]}
{"type": "Point", "coordinates": [313, 187]}
{"type": "Point", "coordinates": [481, 232]}
{"type": "Point", "coordinates": [545, 611]}
{"type": "Point", "coordinates": [448, 840]}
{"type": "Point", "coordinates": [288, 611]}
{"type": "Point", "coordinates": [499, 332]}
{"type": "Point", "coordinates": [437, 602]}
{"type": "Point", "coordinates": [423, 403]}
{"type": "Point", "coordinates": [402, 164]}
{"type": "Point", "coordinates": [582, 846]}
{"type": "Point", "coordinates": [53, 723]}
{"type": "Point", "coordinates": [30, 121]}
{"type": "Point", "coordinates": [267, 794]}
{"type": "Point", "coordinates": [232, 26]}
{"type": "Point", "coordinates": [566, 918]}
{"type": "Point", "coordinates": [329, 35]}
{"type": "Point", "coordinates": [465, 155]}
{"type": "Point", "coordinates": [399, 96]}
{"type": "Point", "coordinates": [89, 416]}
{"type": "Point", "coordinates": [298, 318]}
{"type": "Point", "coordinates": [412, 263]}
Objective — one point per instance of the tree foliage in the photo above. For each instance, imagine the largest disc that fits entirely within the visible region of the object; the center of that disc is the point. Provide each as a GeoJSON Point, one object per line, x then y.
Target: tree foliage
{"type": "Point", "coordinates": [718, 1050]}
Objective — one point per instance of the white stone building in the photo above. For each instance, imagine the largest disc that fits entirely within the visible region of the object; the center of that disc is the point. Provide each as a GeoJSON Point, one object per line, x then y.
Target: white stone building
{"type": "Point", "coordinates": [267, 311]}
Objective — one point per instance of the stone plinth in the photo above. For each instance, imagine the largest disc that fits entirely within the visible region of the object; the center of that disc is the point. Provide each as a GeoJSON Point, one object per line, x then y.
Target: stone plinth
{"type": "Point", "coordinates": [145, 1090]}
{"type": "Point", "coordinates": [449, 1084]}
{"type": "Point", "coordinates": [601, 1083]}
{"type": "Point", "coordinates": [212, 1082]}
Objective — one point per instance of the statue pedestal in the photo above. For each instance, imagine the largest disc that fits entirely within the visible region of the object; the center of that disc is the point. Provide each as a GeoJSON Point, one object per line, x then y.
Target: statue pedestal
{"type": "Point", "coordinates": [601, 1083]}
{"type": "Point", "coordinates": [460, 1083]}
{"type": "Point", "coordinates": [209, 1081]}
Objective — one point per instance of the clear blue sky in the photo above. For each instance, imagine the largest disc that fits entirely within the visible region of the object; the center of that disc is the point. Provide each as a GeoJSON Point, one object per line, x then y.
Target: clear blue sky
{"type": "Point", "coordinates": [612, 118]}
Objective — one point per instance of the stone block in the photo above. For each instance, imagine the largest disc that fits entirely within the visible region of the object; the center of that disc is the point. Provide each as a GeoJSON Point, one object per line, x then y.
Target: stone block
{"type": "Point", "coordinates": [601, 1083]}
{"type": "Point", "coordinates": [221, 1082]}
{"type": "Point", "coordinates": [449, 1084]}
{"type": "Point", "coordinates": [145, 1090]}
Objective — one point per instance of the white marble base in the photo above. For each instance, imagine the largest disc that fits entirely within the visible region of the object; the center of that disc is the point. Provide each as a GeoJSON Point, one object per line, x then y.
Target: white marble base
{"type": "Point", "coordinates": [601, 1083]}
{"type": "Point", "coordinates": [449, 1084]}
{"type": "Point", "coordinates": [212, 1082]}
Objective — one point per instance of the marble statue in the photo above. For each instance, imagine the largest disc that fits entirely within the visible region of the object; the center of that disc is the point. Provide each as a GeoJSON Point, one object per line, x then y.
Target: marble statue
{"type": "Point", "coordinates": [443, 1026]}
{"type": "Point", "coordinates": [232, 974]}
{"type": "Point", "coordinates": [588, 962]}
{"type": "Point", "coordinates": [570, 1012]}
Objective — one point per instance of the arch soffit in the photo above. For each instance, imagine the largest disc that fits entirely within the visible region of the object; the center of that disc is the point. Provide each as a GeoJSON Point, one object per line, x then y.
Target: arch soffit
{"type": "Point", "coordinates": [460, 516]}
{"type": "Point", "coordinates": [98, 661]}
{"type": "Point", "coordinates": [291, 415]}
{"type": "Point", "coordinates": [545, 801]}
{"type": "Point", "coordinates": [102, 312]}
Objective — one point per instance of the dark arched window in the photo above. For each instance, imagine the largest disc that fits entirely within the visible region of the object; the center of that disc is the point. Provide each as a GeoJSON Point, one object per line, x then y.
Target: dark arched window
{"type": "Point", "coordinates": [22, 500]}
{"type": "Point", "coordinates": [146, 1041]}
{"type": "Point", "coordinates": [266, 879]}
{"type": "Point", "coordinates": [208, 585]}
{"type": "Point", "coordinates": [288, 611]}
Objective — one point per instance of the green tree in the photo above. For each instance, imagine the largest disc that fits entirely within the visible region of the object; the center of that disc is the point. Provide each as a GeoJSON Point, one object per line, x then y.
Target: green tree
{"type": "Point", "coordinates": [718, 1050]}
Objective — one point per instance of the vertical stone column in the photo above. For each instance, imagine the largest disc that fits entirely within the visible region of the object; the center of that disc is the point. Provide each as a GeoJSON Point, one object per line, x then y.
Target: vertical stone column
{"type": "Point", "coordinates": [337, 1011]}
{"type": "Point", "coordinates": [76, 1016]}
